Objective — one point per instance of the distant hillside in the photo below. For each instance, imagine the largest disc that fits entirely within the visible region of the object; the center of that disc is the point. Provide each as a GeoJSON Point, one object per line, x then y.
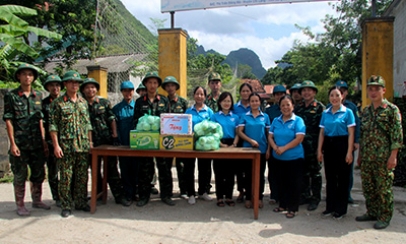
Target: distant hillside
{"type": "Point", "coordinates": [248, 57]}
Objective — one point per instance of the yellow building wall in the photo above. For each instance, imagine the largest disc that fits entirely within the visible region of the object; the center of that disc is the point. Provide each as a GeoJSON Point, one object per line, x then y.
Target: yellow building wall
{"type": "Point", "coordinates": [377, 54]}
{"type": "Point", "coordinates": [172, 58]}
{"type": "Point", "coordinates": [100, 75]}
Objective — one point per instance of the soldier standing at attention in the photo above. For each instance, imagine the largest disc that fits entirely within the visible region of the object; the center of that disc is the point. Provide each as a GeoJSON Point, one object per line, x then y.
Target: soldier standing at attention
{"type": "Point", "coordinates": [177, 105]}
{"type": "Point", "coordinates": [310, 111]}
{"type": "Point", "coordinates": [53, 85]}
{"type": "Point", "coordinates": [215, 86]}
{"type": "Point", "coordinates": [273, 112]}
{"type": "Point", "coordinates": [124, 112]}
{"type": "Point", "coordinates": [141, 90]}
{"type": "Point", "coordinates": [71, 133]}
{"type": "Point", "coordinates": [381, 138]}
{"type": "Point", "coordinates": [153, 104]}
{"type": "Point", "coordinates": [24, 123]}
{"type": "Point", "coordinates": [104, 133]}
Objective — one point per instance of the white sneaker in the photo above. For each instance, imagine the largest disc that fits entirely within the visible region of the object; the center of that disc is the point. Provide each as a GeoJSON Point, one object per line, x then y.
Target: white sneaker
{"type": "Point", "coordinates": [206, 197]}
{"type": "Point", "coordinates": [184, 196]}
{"type": "Point", "coordinates": [191, 200]}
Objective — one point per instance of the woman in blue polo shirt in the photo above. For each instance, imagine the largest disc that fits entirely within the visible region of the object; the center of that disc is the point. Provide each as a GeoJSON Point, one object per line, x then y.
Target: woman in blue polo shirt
{"type": "Point", "coordinates": [199, 112]}
{"type": "Point", "coordinates": [285, 138]}
{"type": "Point", "coordinates": [223, 173]}
{"type": "Point", "coordinates": [336, 142]}
{"type": "Point", "coordinates": [241, 108]}
{"type": "Point", "coordinates": [253, 128]}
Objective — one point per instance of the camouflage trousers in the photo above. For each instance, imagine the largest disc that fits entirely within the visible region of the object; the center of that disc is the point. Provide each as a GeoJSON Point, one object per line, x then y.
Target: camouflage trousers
{"type": "Point", "coordinates": [146, 172]}
{"type": "Point", "coordinates": [53, 179]}
{"type": "Point", "coordinates": [377, 181]}
{"type": "Point", "coordinates": [180, 168]}
{"type": "Point", "coordinates": [113, 178]}
{"type": "Point", "coordinates": [73, 170]}
{"type": "Point", "coordinates": [312, 180]}
{"type": "Point", "coordinates": [35, 160]}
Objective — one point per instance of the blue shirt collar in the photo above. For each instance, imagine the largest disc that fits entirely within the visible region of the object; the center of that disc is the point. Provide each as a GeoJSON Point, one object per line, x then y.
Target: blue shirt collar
{"type": "Point", "coordinates": [342, 109]}
{"type": "Point", "coordinates": [203, 109]}
{"type": "Point", "coordinates": [250, 114]}
{"type": "Point", "coordinates": [293, 118]}
{"type": "Point", "coordinates": [229, 113]}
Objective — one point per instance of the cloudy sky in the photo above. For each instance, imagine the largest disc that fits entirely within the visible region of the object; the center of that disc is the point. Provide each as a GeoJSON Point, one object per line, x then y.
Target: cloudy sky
{"type": "Point", "coordinates": [268, 30]}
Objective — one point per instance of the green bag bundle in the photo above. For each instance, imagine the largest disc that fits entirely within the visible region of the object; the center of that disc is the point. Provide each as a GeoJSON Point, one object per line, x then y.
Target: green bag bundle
{"type": "Point", "coordinates": [208, 135]}
{"type": "Point", "coordinates": [149, 123]}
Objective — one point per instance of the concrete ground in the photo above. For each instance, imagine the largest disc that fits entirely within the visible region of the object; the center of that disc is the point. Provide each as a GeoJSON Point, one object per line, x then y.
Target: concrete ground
{"type": "Point", "coordinates": [200, 223]}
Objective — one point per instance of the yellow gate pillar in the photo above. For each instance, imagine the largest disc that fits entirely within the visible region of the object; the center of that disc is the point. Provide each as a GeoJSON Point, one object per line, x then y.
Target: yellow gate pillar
{"type": "Point", "coordinates": [377, 53]}
{"type": "Point", "coordinates": [172, 57]}
{"type": "Point", "coordinates": [99, 74]}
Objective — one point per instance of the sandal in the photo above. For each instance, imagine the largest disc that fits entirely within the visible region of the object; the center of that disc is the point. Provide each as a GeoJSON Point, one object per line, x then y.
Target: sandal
{"type": "Point", "coordinates": [278, 210]}
{"type": "Point", "coordinates": [220, 203]}
{"type": "Point", "coordinates": [240, 197]}
{"type": "Point", "coordinates": [290, 214]}
{"type": "Point", "coordinates": [230, 202]}
{"type": "Point", "coordinates": [248, 204]}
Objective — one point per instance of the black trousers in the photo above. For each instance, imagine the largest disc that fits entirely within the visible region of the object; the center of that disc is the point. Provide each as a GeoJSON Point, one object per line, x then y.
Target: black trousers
{"type": "Point", "coordinates": [272, 178]}
{"type": "Point", "coordinates": [288, 176]}
{"type": "Point", "coordinates": [337, 173]}
{"type": "Point", "coordinates": [248, 178]}
{"type": "Point", "coordinates": [204, 175]}
{"type": "Point", "coordinates": [224, 174]}
{"type": "Point", "coordinates": [129, 175]}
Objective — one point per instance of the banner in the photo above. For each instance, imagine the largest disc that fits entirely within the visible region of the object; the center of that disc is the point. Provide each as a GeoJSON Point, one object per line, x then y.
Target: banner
{"type": "Point", "coordinates": [183, 5]}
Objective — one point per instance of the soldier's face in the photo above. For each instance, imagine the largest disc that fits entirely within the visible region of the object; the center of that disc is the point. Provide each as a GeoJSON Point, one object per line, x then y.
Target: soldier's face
{"type": "Point", "coordinates": [278, 96]}
{"type": "Point", "coordinates": [90, 90]}
{"type": "Point", "coordinates": [308, 94]}
{"type": "Point", "coordinates": [170, 88]}
{"type": "Point", "coordinates": [152, 85]}
{"type": "Point", "coordinates": [376, 93]}
{"type": "Point", "coordinates": [26, 77]}
{"type": "Point", "coordinates": [296, 95]}
{"type": "Point", "coordinates": [215, 86]}
{"type": "Point", "coordinates": [54, 89]}
{"type": "Point", "coordinates": [127, 94]}
{"type": "Point", "coordinates": [72, 86]}
{"type": "Point", "coordinates": [142, 92]}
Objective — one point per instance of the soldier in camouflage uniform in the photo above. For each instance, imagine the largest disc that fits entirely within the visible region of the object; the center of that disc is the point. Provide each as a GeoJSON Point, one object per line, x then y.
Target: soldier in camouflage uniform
{"type": "Point", "coordinates": [294, 92]}
{"type": "Point", "coordinates": [381, 138]}
{"type": "Point", "coordinates": [153, 104]}
{"type": "Point", "coordinates": [215, 87]}
{"type": "Point", "coordinates": [71, 133]}
{"type": "Point", "coordinates": [141, 90]}
{"type": "Point", "coordinates": [24, 123]}
{"type": "Point", "coordinates": [104, 132]}
{"type": "Point", "coordinates": [178, 105]}
{"type": "Point", "coordinates": [53, 85]}
{"type": "Point", "coordinates": [310, 111]}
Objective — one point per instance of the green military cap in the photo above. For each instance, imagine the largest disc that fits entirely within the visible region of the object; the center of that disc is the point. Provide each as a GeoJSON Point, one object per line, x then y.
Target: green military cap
{"type": "Point", "coordinates": [153, 74]}
{"type": "Point", "coordinates": [214, 76]}
{"type": "Point", "coordinates": [72, 75]}
{"type": "Point", "coordinates": [140, 87]}
{"type": "Point", "coordinates": [89, 81]}
{"type": "Point", "coordinates": [295, 87]}
{"type": "Point", "coordinates": [26, 66]}
{"type": "Point", "coordinates": [376, 80]}
{"type": "Point", "coordinates": [53, 78]}
{"type": "Point", "coordinates": [308, 84]}
{"type": "Point", "coordinates": [171, 79]}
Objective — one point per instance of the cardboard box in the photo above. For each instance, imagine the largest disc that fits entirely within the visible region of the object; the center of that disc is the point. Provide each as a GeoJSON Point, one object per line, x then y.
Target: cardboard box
{"type": "Point", "coordinates": [171, 142]}
{"type": "Point", "coordinates": [176, 124]}
{"type": "Point", "coordinates": [144, 140]}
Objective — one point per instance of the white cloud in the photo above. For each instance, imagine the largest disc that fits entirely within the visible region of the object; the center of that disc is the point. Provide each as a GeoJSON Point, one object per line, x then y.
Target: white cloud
{"type": "Point", "coordinates": [229, 29]}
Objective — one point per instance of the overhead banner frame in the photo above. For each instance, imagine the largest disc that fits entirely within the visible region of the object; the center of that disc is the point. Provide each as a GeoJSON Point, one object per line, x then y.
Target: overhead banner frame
{"type": "Point", "coordinates": [184, 5]}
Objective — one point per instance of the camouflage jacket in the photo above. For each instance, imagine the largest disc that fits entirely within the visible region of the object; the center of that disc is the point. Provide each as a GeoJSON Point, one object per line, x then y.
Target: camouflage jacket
{"type": "Point", "coordinates": [381, 132]}
{"type": "Point", "coordinates": [46, 107]}
{"type": "Point", "coordinates": [311, 116]}
{"type": "Point", "coordinates": [25, 115]}
{"type": "Point", "coordinates": [178, 105]}
{"type": "Point", "coordinates": [144, 106]}
{"type": "Point", "coordinates": [72, 123]}
{"type": "Point", "coordinates": [211, 102]}
{"type": "Point", "coordinates": [101, 116]}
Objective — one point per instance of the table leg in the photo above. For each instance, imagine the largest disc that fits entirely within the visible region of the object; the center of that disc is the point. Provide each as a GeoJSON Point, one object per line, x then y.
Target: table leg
{"type": "Point", "coordinates": [105, 172]}
{"type": "Point", "coordinates": [255, 183]}
{"type": "Point", "coordinates": [93, 198]}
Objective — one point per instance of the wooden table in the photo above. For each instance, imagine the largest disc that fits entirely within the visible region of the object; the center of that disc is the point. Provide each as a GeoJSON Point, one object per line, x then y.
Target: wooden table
{"type": "Point", "coordinates": [223, 153]}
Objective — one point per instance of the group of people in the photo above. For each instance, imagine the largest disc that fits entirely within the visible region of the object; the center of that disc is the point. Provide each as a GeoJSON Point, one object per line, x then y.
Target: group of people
{"type": "Point", "coordinates": [294, 136]}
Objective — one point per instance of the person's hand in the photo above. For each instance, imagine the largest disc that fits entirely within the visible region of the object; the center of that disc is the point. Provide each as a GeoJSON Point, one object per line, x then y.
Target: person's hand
{"type": "Point", "coordinates": [116, 142]}
{"type": "Point", "coordinates": [58, 152]}
{"type": "Point", "coordinates": [356, 146]}
{"type": "Point", "coordinates": [280, 150]}
{"type": "Point", "coordinates": [319, 156]}
{"type": "Point", "coordinates": [267, 154]}
{"type": "Point", "coordinates": [46, 149]}
{"type": "Point", "coordinates": [349, 158]}
{"type": "Point", "coordinates": [254, 143]}
{"type": "Point", "coordinates": [15, 151]}
{"type": "Point", "coordinates": [392, 162]}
